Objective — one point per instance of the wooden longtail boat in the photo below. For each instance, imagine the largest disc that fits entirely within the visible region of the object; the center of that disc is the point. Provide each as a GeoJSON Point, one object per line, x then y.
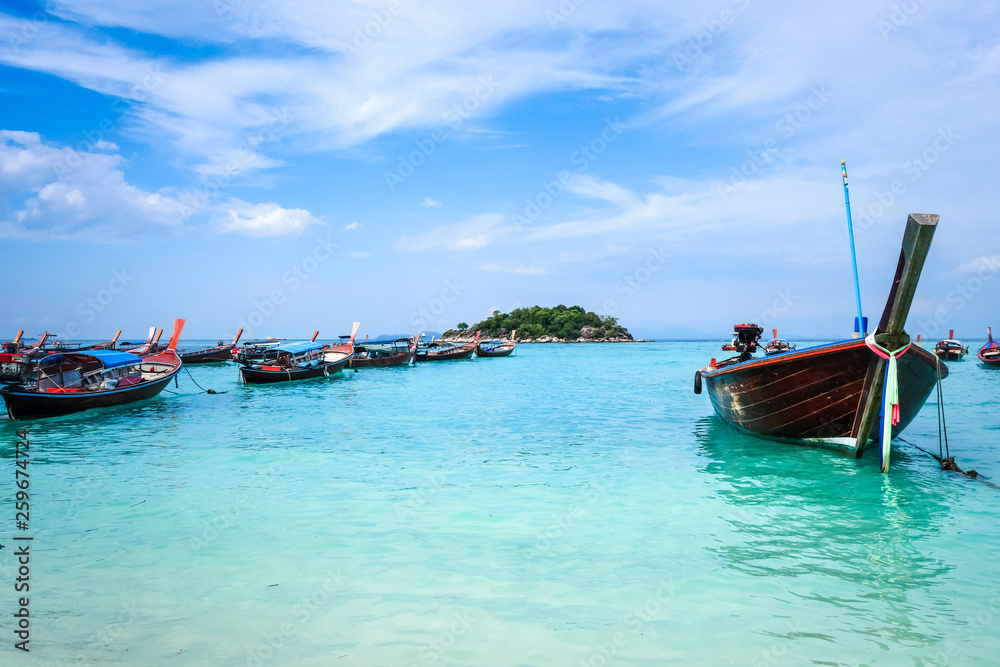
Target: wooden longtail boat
{"type": "Point", "coordinates": [441, 351]}
{"type": "Point", "coordinates": [77, 380]}
{"type": "Point", "coordinates": [298, 360]}
{"type": "Point", "coordinates": [831, 394]}
{"type": "Point", "coordinates": [497, 348]}
{"type": "Point", "coordinates": [382, 353]}
{"type": "Point", "coordinates": [777, 345]}
{"type": "Point", "coordinates": [256, 350]}
{"type": "Point", "coordinates": [950, 349]}
{"type": "Point", "coordinates": [18, 364]}
{"type": "Point", "coordinates": [221, 352]}
{"type": "Point", "coordinates": [989, 354]}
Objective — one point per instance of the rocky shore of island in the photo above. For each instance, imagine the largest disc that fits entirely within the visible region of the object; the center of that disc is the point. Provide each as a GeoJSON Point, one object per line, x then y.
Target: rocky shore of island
{"type": "Point", "coordinates": [587, 335]}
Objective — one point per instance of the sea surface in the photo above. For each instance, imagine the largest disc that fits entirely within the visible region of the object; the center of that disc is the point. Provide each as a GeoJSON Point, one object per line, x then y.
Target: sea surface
{"type": "Point", "coordinates": [571, 505]}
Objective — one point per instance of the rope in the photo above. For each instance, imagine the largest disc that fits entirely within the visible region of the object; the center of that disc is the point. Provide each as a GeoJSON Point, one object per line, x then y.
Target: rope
{"type": "Point", "coordinates": [942, 424]}
{"type": "Point", "coordinates": [207, 391]}
{"type": "Point", "coordinates": [890, 395]}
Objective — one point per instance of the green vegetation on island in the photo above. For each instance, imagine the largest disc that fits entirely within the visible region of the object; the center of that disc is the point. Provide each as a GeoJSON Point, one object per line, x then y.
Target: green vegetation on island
{"type": "Point", "coordinates": [570, 323]}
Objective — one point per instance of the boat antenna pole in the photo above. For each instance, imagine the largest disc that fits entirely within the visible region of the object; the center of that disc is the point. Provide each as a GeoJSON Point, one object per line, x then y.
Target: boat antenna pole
{"type": "Point", "coordinates": [860, 326]}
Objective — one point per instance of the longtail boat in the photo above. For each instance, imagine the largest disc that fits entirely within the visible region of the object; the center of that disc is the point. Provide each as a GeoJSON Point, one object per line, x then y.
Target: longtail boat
{"type": "Point", "coordinates": [831, 395]}
{"type": "Point", "coordinates": [298, 360]}
{"type": "Point", "coordinates": [19, 364]}
{"type": "Point", "coordinates": [777, 345]}
{"type": "Point", "coordinates": [381, 353]}
{"type": "Point", "coordinates": [256, 350]}
{"type": "Point", "coordinates": [221, 352]}
{"type": "Point", "coordinates": [497, 348]}
{"type": "Point", "coordinates": [989, 354]}
{"type": "Point", "coordinates": [950, 349]}
{"type": "Point", "coordinates": [76, 380]}
{"type": "Point", "coordinates": [442, 351]}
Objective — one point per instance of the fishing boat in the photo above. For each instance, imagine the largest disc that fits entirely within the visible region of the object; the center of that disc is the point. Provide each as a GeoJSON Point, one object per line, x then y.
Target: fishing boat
{"type": "Point", "coordinates": [438, 350]}
{"type": "Point", "coordinates": [220, 352]}
{"type": "Point", "coordinates": [257, 350]}
{"type": "Point", "coordinates": [989, 354]}
{"type": "Point", "coordinates": [76, 380]}
{"type": "Point", "coordinates": [298, 360]}
{"type": "Point", "coordinates": [17, 362]}
{"type": "Point", "coordinates": [950, 349]}
{"type": "Point", "coordinates": [497, 348]}
{"type": "Point", "coordinates": [380, 353]}
{"type": "Point", "coordinates": [831, 395]}
{"type": "Point", "coordinates": [777, 345]}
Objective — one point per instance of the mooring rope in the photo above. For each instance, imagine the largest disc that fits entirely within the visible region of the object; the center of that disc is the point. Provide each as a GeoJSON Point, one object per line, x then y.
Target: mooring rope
{"type": "Point", "coordinates": [207, 391]}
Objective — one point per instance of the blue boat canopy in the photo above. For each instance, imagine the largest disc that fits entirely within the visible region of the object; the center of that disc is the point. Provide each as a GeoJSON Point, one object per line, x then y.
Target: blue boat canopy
{"type": "Point", "coordinates": [299, 347]}
{"type": "Point", "coordinates": [109, 358]}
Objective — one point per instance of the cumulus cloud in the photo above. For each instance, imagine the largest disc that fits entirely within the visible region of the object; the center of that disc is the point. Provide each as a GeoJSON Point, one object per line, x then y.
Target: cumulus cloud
{"type": "Point", "coordinates": [56, 192]}
{"type": "Point", "coordinates": [430, 203]}
{"type": "Point", "coordinates": [352, 225]}
{"type": "Point", "coordinates": [262, 219]}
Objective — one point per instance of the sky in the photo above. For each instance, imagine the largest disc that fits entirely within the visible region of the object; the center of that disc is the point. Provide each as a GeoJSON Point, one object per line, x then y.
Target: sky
{"type": "Point", "coordinates": [290, 166]}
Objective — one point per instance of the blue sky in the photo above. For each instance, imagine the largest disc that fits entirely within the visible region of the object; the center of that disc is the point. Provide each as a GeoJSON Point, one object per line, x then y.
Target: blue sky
{"type": "Point", "coordinates": [292, 166]}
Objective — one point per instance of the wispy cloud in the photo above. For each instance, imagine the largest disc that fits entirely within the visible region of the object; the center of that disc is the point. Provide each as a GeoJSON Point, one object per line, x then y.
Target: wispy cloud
{"type": "Point", "coordinates": [430, 202]}
{"type": "Point", "coordinates": [474, 234]}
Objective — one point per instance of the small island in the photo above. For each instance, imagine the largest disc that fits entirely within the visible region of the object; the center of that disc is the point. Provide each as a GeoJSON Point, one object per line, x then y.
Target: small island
{"type": "Point", "coordinates": [561, 324]}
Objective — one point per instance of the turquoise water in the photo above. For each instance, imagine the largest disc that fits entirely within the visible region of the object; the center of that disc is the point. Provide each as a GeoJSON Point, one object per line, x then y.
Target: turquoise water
{"type": "Point", "coordinates": [571, 505]}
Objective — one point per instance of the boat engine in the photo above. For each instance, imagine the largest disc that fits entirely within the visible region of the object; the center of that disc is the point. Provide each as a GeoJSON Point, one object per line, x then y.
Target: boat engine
{"type": "Point", "coordinates": [745, 339]}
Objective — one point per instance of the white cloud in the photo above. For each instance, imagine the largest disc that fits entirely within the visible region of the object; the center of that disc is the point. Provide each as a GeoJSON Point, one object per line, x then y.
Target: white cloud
{"type": "Point", "coordinates": [57, 192]}
{"type": "Point", "coordinates": [474, 234]}
{"type": "Point", "coordinates": [361, 255]}
{"type": "Point", "coordinates": [429, 202]}
{"type": "Point", "coordinates": [352, 225]}
{"type": "Point", "coordinates": [262, 219]}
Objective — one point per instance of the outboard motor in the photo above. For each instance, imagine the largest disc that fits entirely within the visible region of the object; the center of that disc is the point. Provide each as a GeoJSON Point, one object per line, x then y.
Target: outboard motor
{"type": "Point", "coordinates": [745, 338]}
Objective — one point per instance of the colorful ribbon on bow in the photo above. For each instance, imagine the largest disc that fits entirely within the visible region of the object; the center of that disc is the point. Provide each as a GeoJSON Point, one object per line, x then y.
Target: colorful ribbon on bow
{"type": "Point", "coordinates": [890, 394]}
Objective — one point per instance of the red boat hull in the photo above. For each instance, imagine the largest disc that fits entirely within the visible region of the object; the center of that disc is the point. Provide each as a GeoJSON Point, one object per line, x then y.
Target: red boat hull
{"type": "Point", "coordinates": [813, 394]}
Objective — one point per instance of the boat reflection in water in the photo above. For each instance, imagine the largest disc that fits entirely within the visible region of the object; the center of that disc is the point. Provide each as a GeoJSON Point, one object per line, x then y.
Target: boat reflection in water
{"type": "Point", "coordinates": [831, 541]}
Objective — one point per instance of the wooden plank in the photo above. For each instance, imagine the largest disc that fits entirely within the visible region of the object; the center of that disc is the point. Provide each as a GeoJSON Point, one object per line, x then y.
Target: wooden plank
{"type": "Point", "coordinates": [920, 228]}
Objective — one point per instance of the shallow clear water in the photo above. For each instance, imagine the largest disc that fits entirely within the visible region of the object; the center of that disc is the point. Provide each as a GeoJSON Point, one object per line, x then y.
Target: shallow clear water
{"type": "Point", "coordinates": [571, 505]}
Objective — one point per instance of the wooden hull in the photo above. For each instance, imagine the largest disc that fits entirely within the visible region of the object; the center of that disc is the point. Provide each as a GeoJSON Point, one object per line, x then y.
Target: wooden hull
{"type": "Point", "coordinates": [813, 395]}
{"type": "Point", "coordinates": [463, 352]}
{"type": "Point", "coordinates": [382, 361]}
{"type": "Point", "coordinates": [30, 404]}
{"type": "Point", "coordinates": [209, 356]}
{"type": "Point", "coordinates": [949, 355]}
{"type": "Point", "coordinates": [253, 375]}
{"type": "Point", "coordinates": [993, 361]}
